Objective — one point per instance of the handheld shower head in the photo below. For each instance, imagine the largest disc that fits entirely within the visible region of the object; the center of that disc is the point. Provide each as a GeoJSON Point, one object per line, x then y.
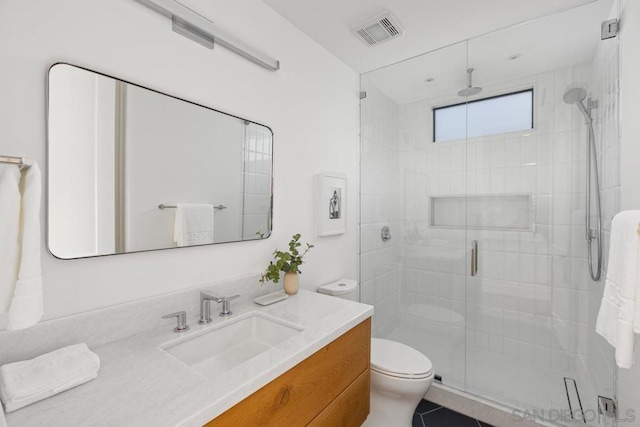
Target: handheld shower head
{"type": "Point", "coordinates": [575, 96]}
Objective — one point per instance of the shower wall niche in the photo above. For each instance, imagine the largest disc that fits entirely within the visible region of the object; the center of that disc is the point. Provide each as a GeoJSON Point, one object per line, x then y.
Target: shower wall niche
{"type": "Point", "coordinates": [514, 331]}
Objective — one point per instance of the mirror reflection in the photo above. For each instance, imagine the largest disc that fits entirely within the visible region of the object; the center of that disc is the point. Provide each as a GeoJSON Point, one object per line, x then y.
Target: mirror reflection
{"type": "Point", "coordinates": [132, 169]}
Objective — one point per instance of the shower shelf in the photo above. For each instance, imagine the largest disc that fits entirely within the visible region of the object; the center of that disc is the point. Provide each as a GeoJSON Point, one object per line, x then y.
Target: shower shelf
{"type": "Point", "coordinates": [507, 212]}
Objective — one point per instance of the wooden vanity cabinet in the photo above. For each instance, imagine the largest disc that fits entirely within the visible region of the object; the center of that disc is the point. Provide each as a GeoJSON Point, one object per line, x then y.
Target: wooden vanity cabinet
{"type": "Point", "coordinates": [329, 388]}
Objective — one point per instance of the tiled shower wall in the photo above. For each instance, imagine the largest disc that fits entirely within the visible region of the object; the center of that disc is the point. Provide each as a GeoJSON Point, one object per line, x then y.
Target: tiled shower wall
{"type": "Point", "coordinates": [528, 317]}
{"type": "Point", "coordinates": [529, 313]}
{"type": "Point", "coordinates": [512, 333]}
{"type": "Point", "coordinates": [380, 271]}
{"type": "Point", "coordinates": [256, 178]}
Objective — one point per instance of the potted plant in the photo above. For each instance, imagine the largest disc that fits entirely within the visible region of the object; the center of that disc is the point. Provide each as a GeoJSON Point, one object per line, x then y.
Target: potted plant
{"type": "Point", "coordinates": [288, 262]}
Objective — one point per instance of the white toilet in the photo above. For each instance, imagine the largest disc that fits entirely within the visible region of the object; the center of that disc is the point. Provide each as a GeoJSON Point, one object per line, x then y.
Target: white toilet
{"type": "Point", "coordinates": [400, 375]}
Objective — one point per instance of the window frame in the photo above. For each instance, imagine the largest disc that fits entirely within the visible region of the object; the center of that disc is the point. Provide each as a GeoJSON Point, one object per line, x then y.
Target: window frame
{"type": "Point", "coordinates": [502, 95]}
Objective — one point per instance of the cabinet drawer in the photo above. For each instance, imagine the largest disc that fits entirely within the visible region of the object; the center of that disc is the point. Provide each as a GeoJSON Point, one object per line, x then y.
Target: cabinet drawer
{"type": "Point", "coordinates": [300, 394]}
{"type": "Point", "coordinates": [350, 409]}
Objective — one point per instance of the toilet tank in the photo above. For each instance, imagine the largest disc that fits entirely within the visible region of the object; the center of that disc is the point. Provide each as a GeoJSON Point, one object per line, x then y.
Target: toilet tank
{"type": "Point", "coordinates": [343, 288]}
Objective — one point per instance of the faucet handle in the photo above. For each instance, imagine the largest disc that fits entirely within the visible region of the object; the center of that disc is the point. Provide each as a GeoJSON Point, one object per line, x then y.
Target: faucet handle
{"type": "Point", "coordinates": [182, 321]}
{"type": "Point", "coordinates": [226, 305]}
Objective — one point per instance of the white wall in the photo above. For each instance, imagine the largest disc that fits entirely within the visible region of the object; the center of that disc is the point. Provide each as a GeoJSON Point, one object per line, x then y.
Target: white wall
{"type": "Point", "coordinates": [629, 379]}
{"type": "Point", "coordinates": [629, 103]}
{"type": "Point", "coordinates": [311, 104]}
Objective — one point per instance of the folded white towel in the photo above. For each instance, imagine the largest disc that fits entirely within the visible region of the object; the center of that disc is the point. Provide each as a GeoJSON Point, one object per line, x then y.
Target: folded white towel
{"type": "Point", "coordinates": [26, 382]}
{"type": "Point", "coordinates": [9, 232]}
{"type": "Point", "coordinates": [193, 224]}
{"type": "Point", "coordinates": [619, 314]}
{"type": "Point", "coordinates": [27, 306]}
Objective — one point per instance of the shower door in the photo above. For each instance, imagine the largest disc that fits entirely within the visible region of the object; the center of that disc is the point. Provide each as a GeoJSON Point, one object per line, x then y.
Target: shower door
{"type": "Point", "coordinates": [531, 305]}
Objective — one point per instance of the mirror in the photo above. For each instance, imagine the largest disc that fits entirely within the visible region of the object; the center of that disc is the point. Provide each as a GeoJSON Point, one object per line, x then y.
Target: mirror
{"type": "Point", "coordinates": [132, 169]}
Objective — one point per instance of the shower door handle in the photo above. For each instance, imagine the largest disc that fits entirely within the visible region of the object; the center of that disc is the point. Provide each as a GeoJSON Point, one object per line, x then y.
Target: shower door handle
{"type": "Point", "coordinates": [474, 258]}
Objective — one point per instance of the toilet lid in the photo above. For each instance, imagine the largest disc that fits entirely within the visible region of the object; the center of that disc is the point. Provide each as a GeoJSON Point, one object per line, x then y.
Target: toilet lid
{"type": "Point", "coordinates": [398, 360]}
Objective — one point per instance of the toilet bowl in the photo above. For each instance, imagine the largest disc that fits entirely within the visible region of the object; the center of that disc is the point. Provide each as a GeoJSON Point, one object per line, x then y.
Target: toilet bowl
{"type": "Point", "coordinates": [400, 375]}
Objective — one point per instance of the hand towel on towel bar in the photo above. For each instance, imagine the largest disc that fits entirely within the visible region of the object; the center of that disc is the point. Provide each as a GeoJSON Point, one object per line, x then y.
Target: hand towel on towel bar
{"type": "Point", "coordinates": [21, 278]}
{"type": "Point", "coordinates": [619, 315]}
{"type": "Point", "coordinates": [27, 304]}
{"type": "Point", "coordinates": [9, 232]}
{"type": "Point", "coordinates": [26, 382]}
{"type": "Point", "coordinates": [193, 224]}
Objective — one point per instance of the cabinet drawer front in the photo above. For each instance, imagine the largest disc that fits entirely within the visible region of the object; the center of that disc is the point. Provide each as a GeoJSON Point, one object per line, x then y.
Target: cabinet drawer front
{"type": "Point", "coordinates": [300, 394]}
{"type": "Point", "coordinates": [350, 409]}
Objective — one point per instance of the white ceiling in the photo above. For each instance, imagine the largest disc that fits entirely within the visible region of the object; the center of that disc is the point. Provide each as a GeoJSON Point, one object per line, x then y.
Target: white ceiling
{"type": "Point", "coordinates": [428, 24]}
{"type": "Point", "coordinates": [550, 43]}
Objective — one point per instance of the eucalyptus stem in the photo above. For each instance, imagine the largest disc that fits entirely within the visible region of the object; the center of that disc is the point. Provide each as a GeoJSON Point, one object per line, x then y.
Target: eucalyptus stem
{"type": "Point", "coordinates": [286, 261]}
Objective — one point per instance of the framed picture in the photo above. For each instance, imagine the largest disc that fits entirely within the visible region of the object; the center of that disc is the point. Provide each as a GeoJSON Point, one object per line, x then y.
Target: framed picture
{"type": "Point", "coordinates": [332, 203]}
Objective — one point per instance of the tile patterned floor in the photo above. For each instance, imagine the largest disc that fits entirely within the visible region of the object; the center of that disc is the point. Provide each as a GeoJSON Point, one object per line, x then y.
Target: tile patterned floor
{"type": "Point", "coordinates": [429, 414]}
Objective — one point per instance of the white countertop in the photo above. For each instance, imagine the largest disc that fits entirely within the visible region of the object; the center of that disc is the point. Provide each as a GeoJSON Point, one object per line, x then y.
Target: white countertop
{"type": "Point", "coordinates": [140, 384]}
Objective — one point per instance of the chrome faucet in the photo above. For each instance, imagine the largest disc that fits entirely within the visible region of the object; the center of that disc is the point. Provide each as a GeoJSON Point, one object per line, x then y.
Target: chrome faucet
{"type": "Point", "coordinates": [205, 306]}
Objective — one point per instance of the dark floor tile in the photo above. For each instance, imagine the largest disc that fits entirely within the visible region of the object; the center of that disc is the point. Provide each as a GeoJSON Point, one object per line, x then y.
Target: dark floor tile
{"type": "Point", "coordinates": [425, 406]}
{"type": "Point", "coordinates": [481, 424]}
{"type": "Point", "coordinates": [417, 421]}
{"type": "Point", "coordinates": [444, 417]}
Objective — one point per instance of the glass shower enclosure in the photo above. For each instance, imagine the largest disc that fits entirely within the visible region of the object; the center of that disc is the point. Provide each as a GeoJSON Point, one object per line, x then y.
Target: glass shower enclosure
{"type": "Point", "coordinates": [473, 159]}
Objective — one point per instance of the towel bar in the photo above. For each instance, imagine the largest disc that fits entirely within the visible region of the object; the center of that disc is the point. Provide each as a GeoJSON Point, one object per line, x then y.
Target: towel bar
{"type": "Point", "coordinates": [163, 206]}
{"type": "Point", "coordinates": [20, 161]}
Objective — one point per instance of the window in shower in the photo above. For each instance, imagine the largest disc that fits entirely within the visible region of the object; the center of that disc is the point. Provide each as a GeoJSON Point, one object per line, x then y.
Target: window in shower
{"type": "Point", "coordinates": [511, 112]}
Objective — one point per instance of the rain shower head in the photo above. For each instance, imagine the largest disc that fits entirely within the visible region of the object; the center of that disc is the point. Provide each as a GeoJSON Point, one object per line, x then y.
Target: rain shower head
{"type": "Point", "coordinates": [575, 96]}
{"type": "Point", "coordinates": [470, 90]}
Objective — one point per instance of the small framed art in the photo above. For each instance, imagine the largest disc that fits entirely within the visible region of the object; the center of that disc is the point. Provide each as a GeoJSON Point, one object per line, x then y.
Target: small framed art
{"type": "Point", "coordinates": [332, 192]}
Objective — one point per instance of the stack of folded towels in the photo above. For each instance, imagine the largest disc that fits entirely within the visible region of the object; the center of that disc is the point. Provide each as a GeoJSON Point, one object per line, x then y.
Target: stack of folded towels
{"type": "Point", "coordinates": [26, 382]}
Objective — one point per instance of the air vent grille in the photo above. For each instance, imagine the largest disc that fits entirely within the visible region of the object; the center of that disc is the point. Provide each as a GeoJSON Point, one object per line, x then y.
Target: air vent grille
{"type": "Point", "coordinates": [389, 26]}
{"type": "Point", "coordinates": [370, 40]}
{"type": "Point", "coordinates": [378, 29]}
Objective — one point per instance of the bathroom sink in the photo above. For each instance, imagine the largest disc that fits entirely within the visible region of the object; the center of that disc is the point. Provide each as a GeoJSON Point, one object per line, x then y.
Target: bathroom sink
{"type": "Point", "coordinates": [232, 343]}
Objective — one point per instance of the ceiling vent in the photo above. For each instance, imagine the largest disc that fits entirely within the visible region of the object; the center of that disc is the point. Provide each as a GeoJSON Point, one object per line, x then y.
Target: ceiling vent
{"type": "Point", "coordinates": [378, 29]}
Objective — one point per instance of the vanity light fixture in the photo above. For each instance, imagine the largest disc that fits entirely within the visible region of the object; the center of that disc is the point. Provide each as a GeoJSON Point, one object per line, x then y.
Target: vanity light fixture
{"type": "Point", "coordinates": [191, 24]}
